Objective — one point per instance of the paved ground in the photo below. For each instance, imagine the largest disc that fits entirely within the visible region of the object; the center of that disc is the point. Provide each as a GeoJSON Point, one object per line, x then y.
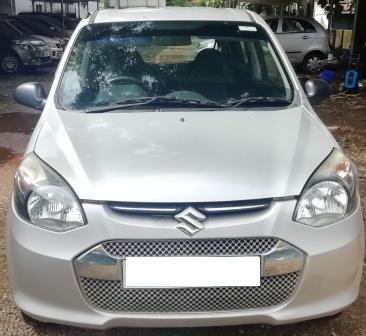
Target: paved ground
{"type": "Point", "coordinates": [346, 118]}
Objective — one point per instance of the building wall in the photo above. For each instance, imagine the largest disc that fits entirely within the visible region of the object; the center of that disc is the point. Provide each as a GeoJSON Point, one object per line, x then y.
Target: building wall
{"type": "Point", "coordinates": [26, 6]}
{"type": "Point", "coordinates": [6, 6]}
{"type": "Point", "coordinates": [23, 6]}
{"type": "Point", "coordinates": [73, 9]}
{"type": "Point", "coordinates": [134, 3]}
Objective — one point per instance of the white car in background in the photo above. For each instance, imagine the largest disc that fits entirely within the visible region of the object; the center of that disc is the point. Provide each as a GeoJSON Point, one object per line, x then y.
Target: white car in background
{"type": "Point", "coordinates": [304, 40]}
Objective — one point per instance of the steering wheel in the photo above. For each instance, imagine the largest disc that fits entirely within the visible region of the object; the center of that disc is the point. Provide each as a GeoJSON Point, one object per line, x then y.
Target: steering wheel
{"type": "Point", "coordinates": [124, 80]}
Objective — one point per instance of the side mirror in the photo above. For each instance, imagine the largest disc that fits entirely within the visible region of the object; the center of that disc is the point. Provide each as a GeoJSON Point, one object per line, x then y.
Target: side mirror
{"type": "Point", "coordinates": [31, 94]}
{"type": "Point", "coordinates": [317, 90]}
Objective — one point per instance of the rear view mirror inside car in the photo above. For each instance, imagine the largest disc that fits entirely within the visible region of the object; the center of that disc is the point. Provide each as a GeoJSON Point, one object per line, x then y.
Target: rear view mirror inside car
{"type": "Point", "coordinates": [172, 40]}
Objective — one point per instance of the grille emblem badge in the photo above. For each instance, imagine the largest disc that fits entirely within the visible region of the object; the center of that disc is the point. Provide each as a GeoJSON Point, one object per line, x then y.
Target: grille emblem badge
{"type": "Point", "coordinates": [190, 221]}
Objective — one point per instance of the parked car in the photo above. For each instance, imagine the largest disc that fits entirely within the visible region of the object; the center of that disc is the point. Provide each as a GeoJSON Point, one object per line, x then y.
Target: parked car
{"type": "Point", "coordinates": [165, 188]}
{"type": "Point", "coordinates": [40, 28]}
{"type": "Point", "coordinates": [18, 50]}
{"type": "Point", "coordinates": [305, 41]}
{"type": "Point", "coordinates": [54, 45]}
{"type": "Point", "coordinates": [70, 24]}
{"type": "Point", "coordinates": [52, 23]}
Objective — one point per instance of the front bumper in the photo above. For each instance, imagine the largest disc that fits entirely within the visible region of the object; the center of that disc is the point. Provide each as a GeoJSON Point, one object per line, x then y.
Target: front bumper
{"type": "Point", "coordinates": [34, 57]}
{"type": "Point", "coordinates": [46, 286]}
{"type": "Point", "coordinates": [56, 53]}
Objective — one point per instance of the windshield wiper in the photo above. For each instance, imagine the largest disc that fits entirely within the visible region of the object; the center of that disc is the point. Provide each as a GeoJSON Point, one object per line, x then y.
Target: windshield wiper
{"type": "Point", "coordinates": [154, 101]}
{"type": "Point", "coordinates": [164, 100]}
{"type": "Point", "coordinates": [273, 101]}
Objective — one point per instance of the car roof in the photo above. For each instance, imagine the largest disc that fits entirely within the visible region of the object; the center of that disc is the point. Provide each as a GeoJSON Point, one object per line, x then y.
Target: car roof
{"type": "Point", "coordinates": [171, 14]}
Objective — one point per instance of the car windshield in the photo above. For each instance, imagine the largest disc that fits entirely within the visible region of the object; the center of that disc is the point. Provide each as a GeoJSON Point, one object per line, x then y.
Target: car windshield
{"type": "Point", "coordinates": [21, 27]}
{"type": "Point", "coordinates": [172, 63]}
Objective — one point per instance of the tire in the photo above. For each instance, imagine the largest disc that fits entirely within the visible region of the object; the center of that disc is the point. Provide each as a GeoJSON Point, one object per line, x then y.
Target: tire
{"type": "Point", "coordinates": [31, 321]}
{"type": "Point", "coordinates": [312, 63]}
{"type": "Point", "coordinates": [10, 63]}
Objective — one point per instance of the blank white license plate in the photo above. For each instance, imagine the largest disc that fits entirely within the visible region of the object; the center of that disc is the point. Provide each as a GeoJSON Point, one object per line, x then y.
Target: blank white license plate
{"type": "Point", "coordinates": [191, 271]}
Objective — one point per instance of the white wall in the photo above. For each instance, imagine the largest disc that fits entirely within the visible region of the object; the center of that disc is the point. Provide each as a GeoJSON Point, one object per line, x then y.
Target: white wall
{"type": "Point", "coordinates": [23, 6]}
{"type": "Point", "coordinates": [26, 6]}
{"type": "Point", "coordinates": [321, 16]}
{"type": "Point", "coordinates": [136, 3]}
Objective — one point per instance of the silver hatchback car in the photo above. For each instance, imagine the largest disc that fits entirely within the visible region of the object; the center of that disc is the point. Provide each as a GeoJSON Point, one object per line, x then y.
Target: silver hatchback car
{"type": "Point", "coordinates": [304, 40]}
{"type": "Point", "coordinates": [165, 186]}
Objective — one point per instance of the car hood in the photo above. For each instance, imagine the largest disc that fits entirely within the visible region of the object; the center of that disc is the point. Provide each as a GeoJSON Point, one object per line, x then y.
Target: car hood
{"type": "Point", "coordinates": [26, 38]}
{"type": "Point", "coordinates": [46, 39]}
{"type": "Point", "coordinates": [174, 156]}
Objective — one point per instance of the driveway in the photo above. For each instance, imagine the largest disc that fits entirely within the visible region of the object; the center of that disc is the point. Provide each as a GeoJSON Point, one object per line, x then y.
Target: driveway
{"type": "Point", "coordinates": [346, 119]}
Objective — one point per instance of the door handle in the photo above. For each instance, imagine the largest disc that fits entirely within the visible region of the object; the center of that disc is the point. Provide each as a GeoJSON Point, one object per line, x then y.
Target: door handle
{"type": "Point", "coordinates": [305, 37]}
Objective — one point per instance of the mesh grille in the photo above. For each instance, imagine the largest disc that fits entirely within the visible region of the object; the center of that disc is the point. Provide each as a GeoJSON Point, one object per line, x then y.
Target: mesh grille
{"type": "Point", "coordinates": [111, 296]}
{"type": "Point", "coordinates": [191, 247]}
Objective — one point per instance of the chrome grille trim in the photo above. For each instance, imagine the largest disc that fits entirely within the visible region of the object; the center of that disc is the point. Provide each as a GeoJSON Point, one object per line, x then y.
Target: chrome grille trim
{"type": "Point", "coordinates": [189, 247]}
{"type": "Point", "coordinates": [173, 208]}
{"type": "Point", "coordinates": [237, 208]}
{"type": "Point", "coordinates": [110, 296]}
{"type": "Point", "coordinates": [143, 209]}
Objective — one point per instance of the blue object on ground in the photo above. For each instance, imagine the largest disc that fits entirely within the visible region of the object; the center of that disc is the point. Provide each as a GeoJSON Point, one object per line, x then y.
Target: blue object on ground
{"type": "Point", "coordinates": [327, 75]}
{"type": "Point", "coordinates": [351, 80]}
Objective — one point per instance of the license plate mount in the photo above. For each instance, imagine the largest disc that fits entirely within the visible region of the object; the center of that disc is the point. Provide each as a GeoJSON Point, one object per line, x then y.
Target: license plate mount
{"type": "Point", "coordinates": [189, 272]}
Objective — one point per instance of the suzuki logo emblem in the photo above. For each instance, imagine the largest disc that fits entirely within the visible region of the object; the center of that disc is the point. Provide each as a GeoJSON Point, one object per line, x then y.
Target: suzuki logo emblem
{"type": "Point", "coordinates": [190, 221]}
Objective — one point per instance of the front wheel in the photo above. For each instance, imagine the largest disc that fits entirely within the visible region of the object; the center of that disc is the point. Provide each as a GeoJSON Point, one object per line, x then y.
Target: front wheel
{"type": "Point", "coordinates": [10, 63]}
{"type": "Point", "coordinates": [313, 63]}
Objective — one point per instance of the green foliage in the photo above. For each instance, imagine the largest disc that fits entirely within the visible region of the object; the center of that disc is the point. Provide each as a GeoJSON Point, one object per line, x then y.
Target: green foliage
{"type": "Point", "coordinates": [179, 3]}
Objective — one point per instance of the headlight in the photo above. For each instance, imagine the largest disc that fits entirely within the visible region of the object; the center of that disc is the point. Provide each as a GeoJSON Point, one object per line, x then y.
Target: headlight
{"type": "Point", "coordinates": [51, 45]}
{"type": "Point", "coordinates": [37, 43]}
{"type": "Point", "coordinates": [44, 198]}
{"type": "Point", "coordinates": [330, 194]}
{"type": "Point", "coordinates": [26, 45]}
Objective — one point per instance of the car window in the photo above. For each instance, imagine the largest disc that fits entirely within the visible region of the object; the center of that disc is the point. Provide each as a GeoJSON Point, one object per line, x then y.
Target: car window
{"type": "Point", "coordinates": [307, 26]}
{"type": "Point", "coordinates": [7, 30]}
{"type": "Point", "coordinates": [205, 61]}
{"type": "Point", "coordinates": [273, 23]}
{"type": "Point", "coordinates": [21, 27]}
{"type": "Point", "coordinates": [33, 25]}
{"type": "Point", "coordinates": [291, 26]}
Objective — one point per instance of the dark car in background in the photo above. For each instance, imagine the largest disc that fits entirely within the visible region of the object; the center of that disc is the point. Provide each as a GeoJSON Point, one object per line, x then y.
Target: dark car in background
{"type": "Point", "coordinates": [69, 23]}
{"type": "Point", "coordinates": [18, 51]}
{"type": "Point", "coordinates": [55, 45]}
{"type": "Point", "coordinates": [42, 27]}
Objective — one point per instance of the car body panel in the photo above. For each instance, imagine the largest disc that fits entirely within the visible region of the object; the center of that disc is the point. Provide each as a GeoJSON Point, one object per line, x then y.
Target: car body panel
{"type": "Point", "coordinates": [171, 14]}
{"type": "Point", "coordinates": [323, 289]}
{"type": "Point", "coordinates": [205, 158]}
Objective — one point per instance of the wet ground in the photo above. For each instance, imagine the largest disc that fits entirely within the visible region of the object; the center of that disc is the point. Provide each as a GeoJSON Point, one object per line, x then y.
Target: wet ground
{"type": "Point", "coordinates": [345, 117]}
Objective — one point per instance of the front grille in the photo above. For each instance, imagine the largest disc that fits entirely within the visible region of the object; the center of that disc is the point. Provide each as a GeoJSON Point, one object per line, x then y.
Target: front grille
{"type": "Point", "coordinates": [189, 247]}
{"type": "Point", "coordinates": [110, 296]}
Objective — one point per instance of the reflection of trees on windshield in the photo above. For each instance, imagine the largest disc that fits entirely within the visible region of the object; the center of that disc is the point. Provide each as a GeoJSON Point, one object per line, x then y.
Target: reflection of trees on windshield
{"type": "Point", "coordinates": [114, 62]}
